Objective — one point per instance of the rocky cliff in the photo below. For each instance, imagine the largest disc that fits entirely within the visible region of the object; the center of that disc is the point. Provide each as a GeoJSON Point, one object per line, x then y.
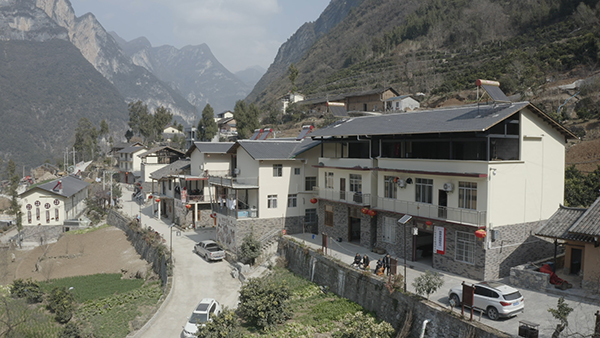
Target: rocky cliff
{"type": "Point", "coordinates": [102, 51]}
{"type": "Point", "coordinates": [192, 71]}
{"type": "Point", "coordinates": [296, 47]}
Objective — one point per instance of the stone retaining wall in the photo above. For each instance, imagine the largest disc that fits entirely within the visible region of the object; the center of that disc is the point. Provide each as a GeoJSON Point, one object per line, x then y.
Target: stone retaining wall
{"type": "Point", "coordinates": [526, 277]}
{"type": "Point", "coordinates": [370, 292]}
{"type": "Point", "coordinates": [150, 253]}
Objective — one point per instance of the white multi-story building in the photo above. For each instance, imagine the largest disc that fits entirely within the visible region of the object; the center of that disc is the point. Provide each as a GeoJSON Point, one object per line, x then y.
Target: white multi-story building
{"type": "Point", "coordinates": [497, 168]}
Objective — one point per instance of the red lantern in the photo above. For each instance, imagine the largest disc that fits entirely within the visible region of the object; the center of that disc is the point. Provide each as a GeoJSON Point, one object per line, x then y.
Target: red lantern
{"type": "Point", "coordinates": [364, 210]}
{"type": "Point", "coordinates": [189, 206]}
{"type": "Point", "coordinates": [372, 212]}
{"type": "Point", "coordinates": [313, 200]}
{"type": "Point", "coordinates": [157, 200]}
{"type": "Point", "coordinates": [150, 197]}
{"type": "Point", "coordinates": [480, 233]}
{"type": "Point", "coordinates": [428, 223]}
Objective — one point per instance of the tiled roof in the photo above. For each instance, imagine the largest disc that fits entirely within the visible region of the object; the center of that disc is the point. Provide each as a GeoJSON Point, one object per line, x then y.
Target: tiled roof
{"type": "Point", "coordinates": [558, 225]}
{"type": "Point", "coordinates": [157, 149]}
{"type": "Point", "coordinates": [130, 150]}
{"type": "Point", "coordinates": [574, 224]}
{"type": "Point", "coordinates": [589, 223]}
{"type": "Point", "coordinates": [69, 186]}
{"type": "Point", "coordinates": [210, 147]}
{"type": "Point", "coordinates": [275, 149]}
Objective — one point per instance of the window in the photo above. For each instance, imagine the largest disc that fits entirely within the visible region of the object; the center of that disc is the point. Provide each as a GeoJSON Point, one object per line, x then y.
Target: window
{"type": "Point", "coordinates": [390, 187]}
{"type": "Point", "coordinates": [272, 201]}
{"type": "Point", "coordinates": [292, 200]}
{"type": "Point", "coordinates": [389, 230]}
{"type": "Point", "coordinates": [56, 214]}
{"type": "Point", "coordinates": [170, 188]}
{"type": "Point", "coordinates": [329, 215]}
{"type": "Point", "coordinates": [467, 195]}
{"type": "Point", "coordinates": [424, 190]}
{"type": "Point", "coordinates": [355, 183]}
{"type": "Point", "coordinates": [310, 216]}
{"type": "Point", "coordinates": [296, 171]}
{"type": "Point", "coordinates": [465, 247]}
{"type": "Point", "coordinates": [310, 183]}
{"type": "Point", "coordinates": [277, 170]}
{"type": "Point", "coordinates": [328, 180]}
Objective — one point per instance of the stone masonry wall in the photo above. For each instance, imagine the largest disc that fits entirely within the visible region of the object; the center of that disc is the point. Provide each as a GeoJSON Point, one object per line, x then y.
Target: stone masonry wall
{"type": "Point", "coordinates": [340, 222]}
{"type": "Point", "coordinates": [148, 252]}
{"type": "Point", "coordinates": [447, 261]}
{"type": "Point", "coordinates": [525, 277]}
{"type": "Point", "coordinates": [370, 292]}
{"type": "Point", "coordinates": [517, 245]}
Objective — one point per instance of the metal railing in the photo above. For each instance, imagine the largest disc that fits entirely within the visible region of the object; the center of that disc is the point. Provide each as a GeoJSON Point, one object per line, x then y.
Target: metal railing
{"type": "Point", "coordinates": [458, 215]}
{"type": "Point", "coordinates": [232, 208]}
{"type": "Point", "coordinates": [233, 181]}
{"type": "Point", "coordinates": [343, 196]}
{"type": "Point", "coordinates": [198, 198]}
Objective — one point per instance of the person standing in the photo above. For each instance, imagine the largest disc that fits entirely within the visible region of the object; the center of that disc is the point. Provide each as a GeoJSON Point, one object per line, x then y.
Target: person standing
{"type": "Point", "coordinates": [387, 263]}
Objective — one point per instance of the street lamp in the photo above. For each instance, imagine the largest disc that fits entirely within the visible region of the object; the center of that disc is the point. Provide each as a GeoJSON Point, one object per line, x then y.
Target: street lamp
{"type": "Point", "coordinates": [402, 221]}
{"type": "Point", "coordinates": [171, 242]}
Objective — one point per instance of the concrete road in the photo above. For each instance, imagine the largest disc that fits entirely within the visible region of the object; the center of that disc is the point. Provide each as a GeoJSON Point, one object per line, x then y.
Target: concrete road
{"type": "Point", "coordinates": [581, 320]}
{"type": "Point", "coordinates": [193, 277]}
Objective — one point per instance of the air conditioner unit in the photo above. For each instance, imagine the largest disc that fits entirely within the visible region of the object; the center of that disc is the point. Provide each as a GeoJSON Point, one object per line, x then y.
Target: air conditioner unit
{"type": "Point", "coordinates": [236, 171]}
{"type": "Point", "coordinates": [448, 186]}
{"type": "Point", "coordinates": [401, 183]}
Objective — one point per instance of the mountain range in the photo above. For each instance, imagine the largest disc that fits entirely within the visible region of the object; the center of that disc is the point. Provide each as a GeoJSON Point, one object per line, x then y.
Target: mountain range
{"type": "Point", "coordinates": [60, 68]}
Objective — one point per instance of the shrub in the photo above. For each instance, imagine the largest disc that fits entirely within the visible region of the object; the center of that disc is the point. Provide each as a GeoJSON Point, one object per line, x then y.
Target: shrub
{"type": "Point", "coordinates": [428, 283]}
{"type": "Point", "coordinates": [359, 325]}
{"type": "Point", "coordinates": [225, 325]}
{"type": "Point", "coordinates": [264, 303]}
{"type": "Point", "coordinates": [250, 249]}
{"type": "Point", "coordinates": [27, 289]}
{"type": "Point", "coordinates": [60, 302]}
{"type": "Point", "coordinates": [71, 330]}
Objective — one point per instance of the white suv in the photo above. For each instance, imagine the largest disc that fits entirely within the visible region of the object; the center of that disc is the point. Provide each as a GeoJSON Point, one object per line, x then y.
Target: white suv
{"type": "Point", "coordinates": [495, 299]}
{"type": "Point", "coordinates": [204, 312]}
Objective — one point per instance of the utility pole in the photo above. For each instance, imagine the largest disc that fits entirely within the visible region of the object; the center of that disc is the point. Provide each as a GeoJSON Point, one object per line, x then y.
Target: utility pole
{"type": "Point", "coordinates": [74, 157]}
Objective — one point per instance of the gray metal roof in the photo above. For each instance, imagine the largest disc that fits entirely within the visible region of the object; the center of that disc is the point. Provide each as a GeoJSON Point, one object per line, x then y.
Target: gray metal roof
{"type": "Point", "coordinates": [157, 149]}
{"type": "Point", "coordinates": [69, 186]}
{"type": "Point", "coordinates": [210, 147]}
{"type": "Point", "coordinates": [130, 150]}
{"type": "Point", "coordinates": [176, 168]}
{"type": "Point", "coordinates": [467, 118]}
{"type": "Point", "coordinates": [275, 149]}
{"type": "Point", "coordinates": [589, 223]}
{"type": "Point", "coordinates": [398, 97]}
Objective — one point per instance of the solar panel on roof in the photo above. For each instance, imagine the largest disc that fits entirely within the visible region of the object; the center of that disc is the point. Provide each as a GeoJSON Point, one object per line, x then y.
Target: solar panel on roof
{"type": "Point", "coordinates": [265, 134]}
{"type": "Point", "coordinates": [495, 93]}
{"type": "Point", "coordinates": [256, 133]}
{"type": "Point", "coordinates": [305, 130]}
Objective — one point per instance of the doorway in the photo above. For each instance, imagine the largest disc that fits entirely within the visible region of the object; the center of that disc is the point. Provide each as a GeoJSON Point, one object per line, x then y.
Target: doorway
{"type": "Point", "coordinates": [443, 204]}
{"type": "Point", "coordinates": [354, 229]}
{"type": "Point", "coordinates": [423, 247]}
{"type": "Point", "coordinates": [576, 255]}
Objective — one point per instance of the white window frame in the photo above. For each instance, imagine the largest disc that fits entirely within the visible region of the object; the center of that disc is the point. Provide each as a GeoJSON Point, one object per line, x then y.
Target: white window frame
{"type": "Point", "coordinates": [328, 180]}
{"type": "Point", "coordinates": [467, 195]}
{"type": "Point", "coordinates": [277, 170]}
{"type": "Point", "coordinates": [424, 190]}
{"type": "Point", "coordinates": [388, 233]}
{"type": "Point", "coordinates": [390, 188]}
{"type": "Point", "coordinates": [355, 182]}
{"type": "Point", "coordinates": [272, 201]}
{"type": "Point", "coordinates": [465, 247]}
{"type": "Point", "coordinates": [292, 200]}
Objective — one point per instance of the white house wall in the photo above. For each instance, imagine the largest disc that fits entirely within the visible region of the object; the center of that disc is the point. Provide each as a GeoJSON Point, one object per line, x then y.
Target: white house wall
{"type": "Point", "coordinates": [149, 168]}
{"type": "Point", "coordinates": [68, 208]}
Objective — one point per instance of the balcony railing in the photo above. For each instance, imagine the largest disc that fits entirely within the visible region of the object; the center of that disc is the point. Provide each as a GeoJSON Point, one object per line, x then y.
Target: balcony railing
{"type": "Point", "coordinates": [234, 182]}
{"type": "Point", "coordinates": [344, 196]}
{"type": "Point", "coordinates": [198, 198]}
{"type": "Point", "coordinates": [458, 215]}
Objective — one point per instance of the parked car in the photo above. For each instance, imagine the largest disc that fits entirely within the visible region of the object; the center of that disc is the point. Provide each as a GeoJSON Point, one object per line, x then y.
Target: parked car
{"type": "Point", "coordinates": [204, 312]}
{"type": "Point", "coordinates": [210, 250]}
{"type": "Point", "coordinates": [495, 299]}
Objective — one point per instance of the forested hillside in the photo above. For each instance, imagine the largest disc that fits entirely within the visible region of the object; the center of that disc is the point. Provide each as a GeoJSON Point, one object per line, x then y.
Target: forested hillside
{"type": "Point", "coordinates": [441, 47]}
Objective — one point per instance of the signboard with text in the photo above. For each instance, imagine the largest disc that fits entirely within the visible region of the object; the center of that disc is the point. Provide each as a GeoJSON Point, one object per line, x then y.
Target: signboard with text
{"type": "Point", "coordinates": [439, 240]}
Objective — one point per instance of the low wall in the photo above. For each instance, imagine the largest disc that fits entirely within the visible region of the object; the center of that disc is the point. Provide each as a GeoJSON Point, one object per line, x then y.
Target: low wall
{"type": "Point", "coordinates": [136, 236]}
{"type": "Point", "coordinates": [526, 277]}
{"type": "Point", "coordinates": [370, 292]}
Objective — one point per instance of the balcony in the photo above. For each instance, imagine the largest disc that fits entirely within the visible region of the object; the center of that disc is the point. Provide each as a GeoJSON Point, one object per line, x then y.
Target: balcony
{"type": "Point", "coordinates": [198, 198]}
{"type": "Point", "coordinates": [343, 196]}
{"type": "Point", "coordinates": [235, 182]}
{"type": "Point", "coordinates": [227, 207]}
{"type": "Point", "coordinates": [457, 215]}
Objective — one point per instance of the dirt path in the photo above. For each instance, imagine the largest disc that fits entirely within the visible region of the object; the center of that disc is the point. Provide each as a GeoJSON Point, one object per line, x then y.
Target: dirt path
{"type": "Point", "coordinates": [106, 250]}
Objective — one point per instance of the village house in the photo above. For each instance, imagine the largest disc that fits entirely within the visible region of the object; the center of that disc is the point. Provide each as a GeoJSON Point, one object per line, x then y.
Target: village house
{"type": "Point", "coordinates": [270, 189]}
{"type": "Point", "coordinates": [166, 195]}
{"type": "Point", "coordinates": [497, 168]}
{"type": "Point", "coordinates": [157, 158]}
{"type": "Point", "coordinates": [579, 230]}
{"type": "Point", "coordinates": [130, 164]}
{"type": "Point", "coordinates": [401, 103]}
{"type": "Point", "coordinates": [54, 202]}
{"type": "Point", "coordinates": [365, 101]}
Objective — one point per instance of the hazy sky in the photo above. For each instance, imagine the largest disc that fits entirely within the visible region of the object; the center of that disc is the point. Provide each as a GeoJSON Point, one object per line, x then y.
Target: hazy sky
{"type": "Point", "coordinates": [240, 33]}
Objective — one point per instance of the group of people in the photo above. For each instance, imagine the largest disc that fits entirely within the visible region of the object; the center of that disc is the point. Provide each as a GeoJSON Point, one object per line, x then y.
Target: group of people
{"type": "Point", "coordinates": [364, 263]}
